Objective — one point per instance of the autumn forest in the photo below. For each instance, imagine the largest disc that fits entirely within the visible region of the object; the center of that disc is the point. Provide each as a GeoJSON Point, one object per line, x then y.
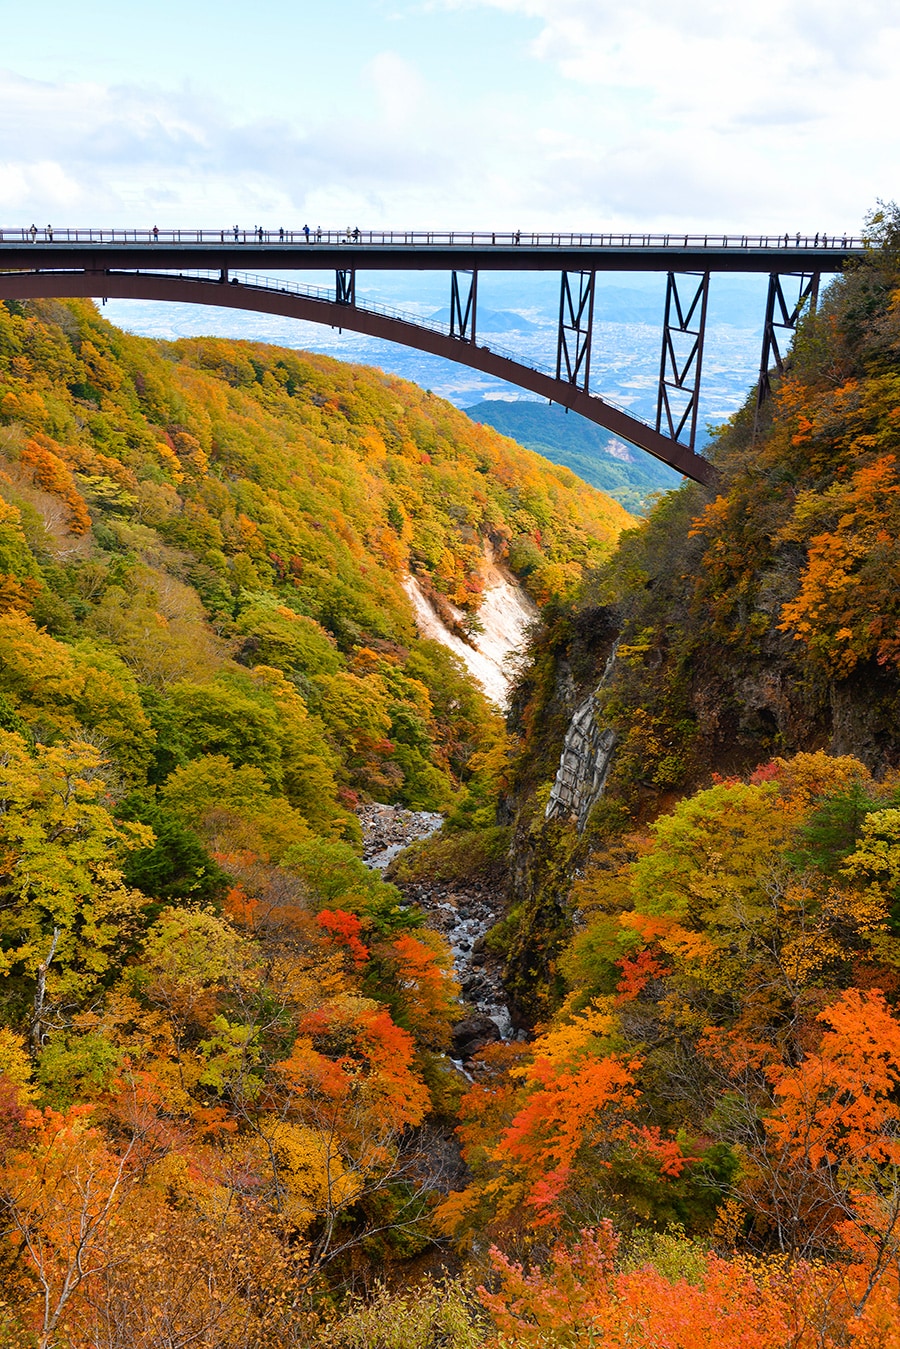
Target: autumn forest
{"type": "Point", "coordinates": [231, 1113]}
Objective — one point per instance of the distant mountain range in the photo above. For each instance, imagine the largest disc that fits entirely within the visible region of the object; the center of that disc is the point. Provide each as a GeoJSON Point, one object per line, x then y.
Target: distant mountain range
{"type": "Point", "coordinates": [597, 456]}
{"type": "Point", "coordinates": [737, 302]}
{"type": "Point", "coordinates": [494, 321]}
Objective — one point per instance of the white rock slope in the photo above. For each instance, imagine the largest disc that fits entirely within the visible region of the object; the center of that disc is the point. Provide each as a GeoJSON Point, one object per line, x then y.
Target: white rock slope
{"type": "Point", "coordinates": [505, 613]}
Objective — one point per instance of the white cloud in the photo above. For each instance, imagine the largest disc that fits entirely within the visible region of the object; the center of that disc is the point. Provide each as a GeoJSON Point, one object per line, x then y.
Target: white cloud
{"type": "Point", "coordinates": [181, 157]}
{"type": "Point", "coordinates": [399, 89]}
{"type": "Point", "coordinates": [656, 43]}
{"type": "Point", "coordinates": [735, 114]}
{"type": "Point", "coordinates": [43, 180]}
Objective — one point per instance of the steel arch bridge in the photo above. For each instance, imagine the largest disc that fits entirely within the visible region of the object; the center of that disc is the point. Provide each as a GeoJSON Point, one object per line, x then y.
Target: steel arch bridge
{"type": "Point", "coordinates": [198, 267]}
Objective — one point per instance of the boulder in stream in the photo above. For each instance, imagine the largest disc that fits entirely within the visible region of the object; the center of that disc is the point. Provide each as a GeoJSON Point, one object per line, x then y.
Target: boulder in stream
{"type": "Point", "coordinates": [472, 1034]}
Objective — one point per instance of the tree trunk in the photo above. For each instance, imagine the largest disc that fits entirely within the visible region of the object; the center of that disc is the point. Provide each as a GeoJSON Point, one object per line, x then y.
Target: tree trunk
{"type": "Point", "coordinates": [36, 1034]}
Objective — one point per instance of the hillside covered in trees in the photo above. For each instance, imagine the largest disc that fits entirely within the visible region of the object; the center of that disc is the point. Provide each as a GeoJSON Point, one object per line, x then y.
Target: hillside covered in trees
{"type": "Point", "coordinates": [222, 1042]}
{"type": "Point", "coordinates": [228, 1113]}
{"type": "Point", "coordinates": [701, 1142]}
{"type": "Point", "coordinates": [629, 476]}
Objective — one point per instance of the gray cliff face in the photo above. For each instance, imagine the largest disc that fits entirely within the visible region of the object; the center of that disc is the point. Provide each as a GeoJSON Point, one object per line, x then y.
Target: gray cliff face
{"type": "Point", "coordinates": [585, 760]}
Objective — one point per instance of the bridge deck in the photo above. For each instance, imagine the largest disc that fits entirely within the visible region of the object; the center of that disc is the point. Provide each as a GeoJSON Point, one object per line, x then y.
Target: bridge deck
{"type": "Point", "coordinates": [330, 250]}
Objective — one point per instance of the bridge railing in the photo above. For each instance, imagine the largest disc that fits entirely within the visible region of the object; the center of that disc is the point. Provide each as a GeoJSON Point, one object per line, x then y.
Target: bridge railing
{"type": "Point", "coordinates": [425, 238]}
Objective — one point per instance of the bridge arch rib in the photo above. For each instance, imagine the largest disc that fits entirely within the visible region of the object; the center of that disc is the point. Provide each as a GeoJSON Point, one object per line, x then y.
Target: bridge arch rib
{"type": "Point", "coordinates": [265, 299]}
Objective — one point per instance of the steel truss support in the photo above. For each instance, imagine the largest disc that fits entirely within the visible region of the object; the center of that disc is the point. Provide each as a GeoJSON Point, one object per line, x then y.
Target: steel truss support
{"type": "Point", "coordinates": [345, 287]}
{"type": "Point", "coordinates": [780, 314]}
{"type": "Point", "coordinates": [576, 321]}
{"type": "Point", "coordinates": [262, 299]}
{"type": "Point", "coordinates": [463, 297]}
{"type": "Point", "coordinates": [681, 360]}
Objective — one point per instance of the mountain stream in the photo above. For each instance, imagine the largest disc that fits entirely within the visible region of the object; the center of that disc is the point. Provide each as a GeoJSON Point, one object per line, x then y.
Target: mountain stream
{"type": "Point", "coordinates": [463, 913]}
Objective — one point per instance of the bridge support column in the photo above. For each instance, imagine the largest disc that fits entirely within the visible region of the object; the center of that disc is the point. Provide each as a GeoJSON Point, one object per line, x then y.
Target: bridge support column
{"type": "Point", "coordinates": [463, 299]}
{"type": "Point", "coordinates": [681, 360]}
{"type": "Point", "coordinates": [780, 314]}
{"type": "Point", "coordinates": [576, 321]}
{"type": "Point", "coordinates": [345, 287]}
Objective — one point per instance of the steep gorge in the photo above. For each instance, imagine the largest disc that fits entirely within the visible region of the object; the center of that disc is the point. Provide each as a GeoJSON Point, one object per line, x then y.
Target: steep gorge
{"type": "Point", "coordinates": [209, 670]}
{"type": "Point", "coordinates": [687, 830]}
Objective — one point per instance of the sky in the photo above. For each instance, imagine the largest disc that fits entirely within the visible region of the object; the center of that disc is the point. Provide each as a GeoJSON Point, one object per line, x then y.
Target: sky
{"type": "Point", "coordinates": [486, 114]}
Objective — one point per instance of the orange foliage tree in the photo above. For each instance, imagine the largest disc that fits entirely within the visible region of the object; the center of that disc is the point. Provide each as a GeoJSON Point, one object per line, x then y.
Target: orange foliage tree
{"type": "Point", "coordinates": [828, 1165]}
{"type": "Point", "coordinates": [584, 1297]}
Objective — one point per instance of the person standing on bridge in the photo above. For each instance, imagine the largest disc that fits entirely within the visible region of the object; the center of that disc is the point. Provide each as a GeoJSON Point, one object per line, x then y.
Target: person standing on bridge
{"type": "Point", "coordinates": [236, 232]}
{"type": "Point", "coordinates": [155, 233]}
{"type": "Point", "coordinates": [306, 232]}
{"type": "Point", "coordinates": [318, 234]}
{"type": "Point", "coordinates": [33, 232]}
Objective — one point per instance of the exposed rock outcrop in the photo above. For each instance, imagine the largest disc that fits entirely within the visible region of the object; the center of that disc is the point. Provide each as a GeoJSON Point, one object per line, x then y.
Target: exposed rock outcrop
{"type": "Point", "coordinates": [585, 760]}
{"type": "Point", "coordinates": [504, 617]}
{"type": "Point", "coordinates": [474, 1033]}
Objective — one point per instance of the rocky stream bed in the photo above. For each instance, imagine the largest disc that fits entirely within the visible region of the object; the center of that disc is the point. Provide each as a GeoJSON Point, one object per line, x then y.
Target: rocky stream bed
{"type": "Point", "coordinates": [463, 913]}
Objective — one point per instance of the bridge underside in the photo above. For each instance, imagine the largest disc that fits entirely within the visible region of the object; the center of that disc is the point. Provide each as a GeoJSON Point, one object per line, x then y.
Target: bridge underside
{"type": "Point", "coordinates": [232, 295]}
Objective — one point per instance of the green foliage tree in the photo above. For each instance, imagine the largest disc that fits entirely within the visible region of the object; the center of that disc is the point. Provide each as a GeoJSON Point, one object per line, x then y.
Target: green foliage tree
{"type": "Point", "coordinates": [68, 914]}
